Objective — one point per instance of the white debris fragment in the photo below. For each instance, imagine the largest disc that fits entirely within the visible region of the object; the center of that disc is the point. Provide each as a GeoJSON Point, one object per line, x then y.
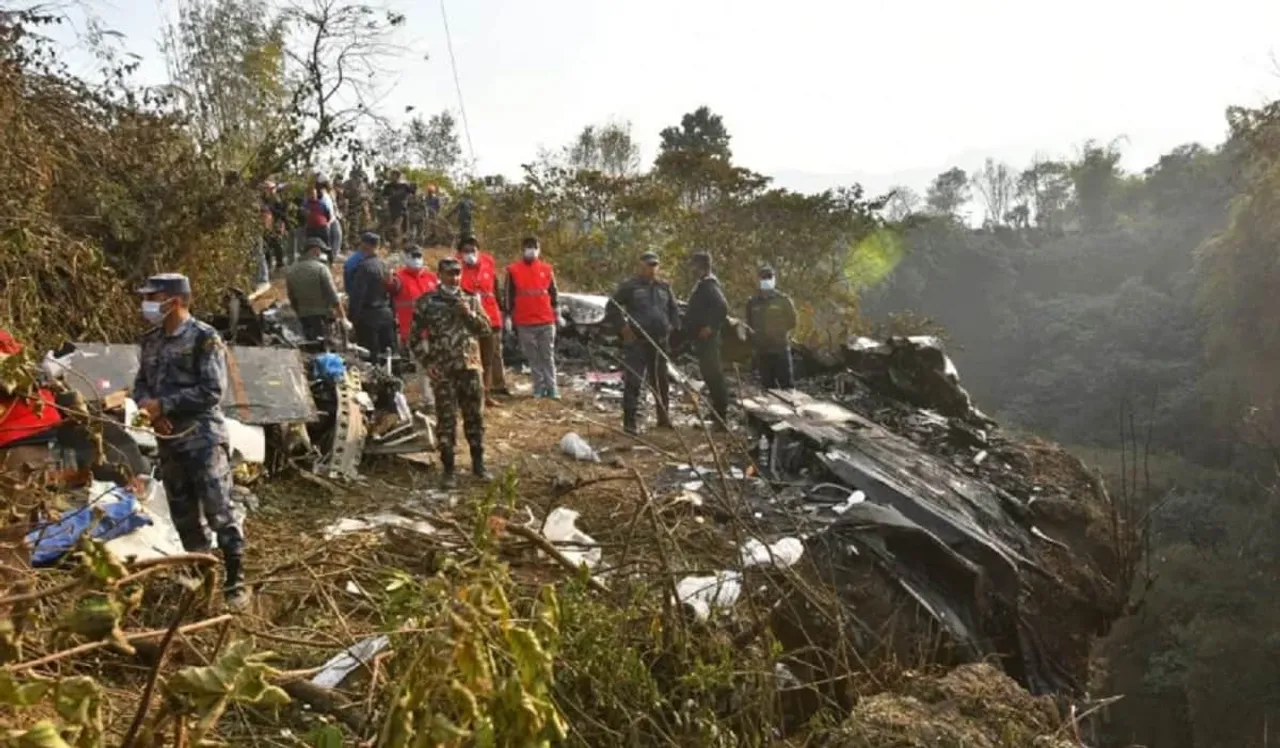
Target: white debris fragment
{"type": "Point", "coordinates": [343, 664]}
{"type": "Point", "coordinates": [576, 447]}
{"type": "Point", "coordinates": [781, 554]}
{"type": "Point", "coordinates": [248, 443]}
{"type": "Point", "coordinates": [703, 594]}
{"type": "Point", "coordinates": [855, 498]}
{"type": "Point", "coordinates": [348, 525]}
{"type": "Point", "coordinates": [693, 498]}
{"type": "Point", "coordinates": [561, 528]}
{"type": "Point", "coordinates": [693, 485]}
{"type": "Point", "coordinates": [156, 540]}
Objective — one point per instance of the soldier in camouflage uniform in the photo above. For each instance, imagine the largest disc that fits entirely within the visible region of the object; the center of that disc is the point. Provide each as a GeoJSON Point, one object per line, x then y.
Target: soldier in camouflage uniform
{"type": "Point", "coordinates": [447, 325]}
{"type": "Point", "coordinates": [182, 374]}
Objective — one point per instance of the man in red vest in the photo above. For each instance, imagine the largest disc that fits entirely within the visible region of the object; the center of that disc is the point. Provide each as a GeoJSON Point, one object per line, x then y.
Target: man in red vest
{"type": "Point", "coordinates": [407, 284]}
{"type": "Point", "coordinates": [531, 299]}
{"type": "Point", "coordinates": [480, 277]}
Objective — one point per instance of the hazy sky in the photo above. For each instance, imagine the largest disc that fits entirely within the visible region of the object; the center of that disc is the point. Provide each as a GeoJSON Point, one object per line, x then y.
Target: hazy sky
{"type": "Point", "coordinates": [818, 92]}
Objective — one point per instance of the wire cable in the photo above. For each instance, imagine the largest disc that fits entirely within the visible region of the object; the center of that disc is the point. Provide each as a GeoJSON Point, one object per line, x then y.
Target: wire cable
{"type": "Point", "coordinates": [453, 62]}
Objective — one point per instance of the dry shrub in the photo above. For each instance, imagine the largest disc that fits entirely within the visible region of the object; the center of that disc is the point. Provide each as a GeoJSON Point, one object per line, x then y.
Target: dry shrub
{"type": "Point", "coordinates": [103, 187]}
{"type": "Point", "coordinates": [974, 706]}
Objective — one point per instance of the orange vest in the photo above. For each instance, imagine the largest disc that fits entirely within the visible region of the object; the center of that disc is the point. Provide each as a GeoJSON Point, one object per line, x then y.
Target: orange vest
{"type": "Point", "coordinates": [410, 285]}
{"type": "Point", "coordinates": [532, 282]}
{"type": "Point", "coordinates": [481, 279]}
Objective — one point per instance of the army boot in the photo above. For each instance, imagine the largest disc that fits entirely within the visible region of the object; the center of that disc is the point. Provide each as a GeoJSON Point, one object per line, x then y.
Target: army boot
{"type": "Point", "coordinates": [447, 478]}
{"type": "Point", "coordinates": [477, 464]}
{"type": "Point", "coordinates": [234, 591]}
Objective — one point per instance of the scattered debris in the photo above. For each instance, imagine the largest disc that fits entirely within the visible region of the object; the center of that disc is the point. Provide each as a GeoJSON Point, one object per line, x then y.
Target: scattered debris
{"type": "Point", "coordinates": [349, 525]}
{"type": "Point", "coordinates": [782, 553]}
{"type": "Point", "coordinates": [343, 664]}
{"type": "Point", "coordinates": [578, 448]}
{"type": "Point", "coordinates": [703, 594]}
{"type": "Point", "coordinates": [562, 530]}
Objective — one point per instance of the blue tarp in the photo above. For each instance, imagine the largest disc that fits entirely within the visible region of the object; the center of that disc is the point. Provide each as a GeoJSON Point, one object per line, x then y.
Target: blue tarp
{"type": "Point", "coordinates": [328, 366]}
{"type": "Point", "coordinates": [121, 515]}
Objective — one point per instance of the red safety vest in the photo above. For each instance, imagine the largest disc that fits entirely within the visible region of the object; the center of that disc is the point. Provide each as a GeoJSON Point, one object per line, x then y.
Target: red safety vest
{"type": "Point", "coordinates": [410, 284]}
{"type": "Point", "coordinates": [533, 293]}
{"type": "Point", "coordinates": [481, 279]}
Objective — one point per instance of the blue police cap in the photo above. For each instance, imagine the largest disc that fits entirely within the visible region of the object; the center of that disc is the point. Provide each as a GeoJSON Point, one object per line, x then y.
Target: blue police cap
{"type": "Point", "coordinates": [170, 283]}
{"type": "Point", "coordinates": [369, 237]}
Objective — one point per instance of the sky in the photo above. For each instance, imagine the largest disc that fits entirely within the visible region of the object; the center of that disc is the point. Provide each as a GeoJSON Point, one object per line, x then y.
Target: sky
{"type": "Point", "coordinates": [819, 93]}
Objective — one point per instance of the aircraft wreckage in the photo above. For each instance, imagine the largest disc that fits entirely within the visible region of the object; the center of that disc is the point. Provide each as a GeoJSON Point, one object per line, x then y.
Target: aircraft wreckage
{"type": "Point", "coordinates": [940, 535]}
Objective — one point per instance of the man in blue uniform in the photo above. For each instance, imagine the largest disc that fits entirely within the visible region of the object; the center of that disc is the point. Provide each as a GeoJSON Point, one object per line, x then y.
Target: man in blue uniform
{"type": "Point", "coordinates": [182, 373]}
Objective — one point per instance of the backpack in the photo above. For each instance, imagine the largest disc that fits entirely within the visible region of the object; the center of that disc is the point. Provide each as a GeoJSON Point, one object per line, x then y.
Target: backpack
{"type": "Point", "coordinates": [317, 215]}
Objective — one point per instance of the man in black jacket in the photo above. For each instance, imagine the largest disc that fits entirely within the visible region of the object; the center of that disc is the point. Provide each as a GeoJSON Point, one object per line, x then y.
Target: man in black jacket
{"type": "Point", "coordinates": [369, 303]}
{"type": "Point", "coordinates": [704, 318]}
{"type": "Point", "coordinates": [644, 311]}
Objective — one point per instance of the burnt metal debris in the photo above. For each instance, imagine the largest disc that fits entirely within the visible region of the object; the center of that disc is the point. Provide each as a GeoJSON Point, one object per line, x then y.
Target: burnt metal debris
{"type": "Point", "coordinates": [948, 532]}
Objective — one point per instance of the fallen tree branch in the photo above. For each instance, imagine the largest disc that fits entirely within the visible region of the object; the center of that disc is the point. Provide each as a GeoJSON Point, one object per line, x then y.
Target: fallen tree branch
{"type": "Point", "coordinates": [549, 548]}
{"type": "Point", "coordinates": [145, 703]}
{"type": "Point", "coordinates": [93, 646]}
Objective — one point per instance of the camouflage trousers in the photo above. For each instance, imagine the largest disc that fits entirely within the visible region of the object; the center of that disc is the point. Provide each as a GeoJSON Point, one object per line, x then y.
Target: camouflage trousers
{"type": "Point", "coordinates": [198, 482]}
{"type": "Point", "coordinates": [454, 391]}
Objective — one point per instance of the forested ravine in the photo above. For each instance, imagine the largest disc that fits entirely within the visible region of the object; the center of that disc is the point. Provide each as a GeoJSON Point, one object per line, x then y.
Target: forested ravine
{"type": "Point", "coordinates": [1125, 315]}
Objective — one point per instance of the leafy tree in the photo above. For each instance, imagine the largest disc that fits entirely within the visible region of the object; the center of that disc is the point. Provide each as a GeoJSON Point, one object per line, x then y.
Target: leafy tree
{"type": "Point", "coordinates": [1045, 188]}
{"type": "Point", "coordinates": [609, 148]}
{"type": "Point", "coordinates": [696, 157]}
{"type": "Point", "coordinates": [226, 65]}
{"type": "Point", "coordinates": [948, 192]}
{"type": "Point", "coordinates": [1096, 176]}
{"type": "Point", "coordinates": [435, 142]}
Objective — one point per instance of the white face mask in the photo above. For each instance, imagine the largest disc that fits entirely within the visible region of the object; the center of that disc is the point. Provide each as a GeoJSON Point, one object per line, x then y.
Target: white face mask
{"type": "Point", "coordinates": [446, 288]}
{"type": "Point", "coordinates": [153, 312]}
{"type": "Point", "coordinates": [414, 262]}
{"type": "Point", "coordinates": [470, 258]}
{"type": "Point", "coordinates": [531, 253]}
{"type": "Point", "coordinates": [767, 284]}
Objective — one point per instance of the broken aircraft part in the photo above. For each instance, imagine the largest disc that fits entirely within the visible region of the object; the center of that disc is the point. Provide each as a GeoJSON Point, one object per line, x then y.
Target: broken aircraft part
{"type": "Point", "coordinates": [265, 385]}
{"type": "Point", "coordinates": [945, 536]}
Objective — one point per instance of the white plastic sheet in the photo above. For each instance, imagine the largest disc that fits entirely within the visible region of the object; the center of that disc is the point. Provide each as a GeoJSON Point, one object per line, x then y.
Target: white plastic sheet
{"type": "Point", "coordinates": [576, 447]}
{"type": "Point", "coordinates": [561, 529]}
{"type": "Point", "coordinates": [348, 525]}
{"type": "Point", "coordinates": [707, 593]}
{"type": "Point", "coordinates": [782, 553]}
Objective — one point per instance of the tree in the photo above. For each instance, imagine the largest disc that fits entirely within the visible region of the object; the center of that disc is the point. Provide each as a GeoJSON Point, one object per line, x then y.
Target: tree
{"type": "Point", "coordinates": [902, 202]}
{"type": "Point", "coordinates": [608, 148]}
{"type": "Point", "coordinates": [1045, 188]}
{"type": "Point", "coordinates": [948, 192]}
{"type": "Point", "coordinates": [1095, 177]}
{"type": "Point", "coordinates": [435, 142]}
{"type": "Point", "coordinates": [700, 132]}
{"type": "Point", "coordinates": [996, 184]}
{"type": "Point", "coordinates": [695, 157]}
{"type": "Point", "coordinates": [226, 64]}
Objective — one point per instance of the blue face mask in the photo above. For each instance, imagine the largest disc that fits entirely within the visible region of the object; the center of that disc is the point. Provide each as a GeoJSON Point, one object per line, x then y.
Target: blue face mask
{"type": "Point", "coordinates": [414, 262]}
{"type": "Point", "coordinates": [767, 284]}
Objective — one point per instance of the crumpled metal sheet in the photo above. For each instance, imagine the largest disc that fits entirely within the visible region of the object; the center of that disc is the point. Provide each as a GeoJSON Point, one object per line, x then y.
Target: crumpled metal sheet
{"type": "Point", "coordinates": [265, 385]}
{"type": "Point", "coordinates": [946, 540]}
{"type": "Point", "coordinates": [582, 309]}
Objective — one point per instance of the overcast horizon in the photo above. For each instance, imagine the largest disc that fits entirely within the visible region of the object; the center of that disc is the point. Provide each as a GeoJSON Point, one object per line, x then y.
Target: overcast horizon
{"type": "Point", "coordinates": [950, 86]}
